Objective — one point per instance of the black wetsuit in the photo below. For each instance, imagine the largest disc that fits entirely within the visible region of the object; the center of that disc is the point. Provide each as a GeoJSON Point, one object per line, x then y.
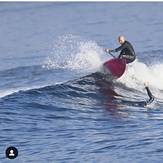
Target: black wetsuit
{"type": "Point", "coordinates": [141, 103]}
{"type": "Point", "coordinates": [127, 51]}
{"type": "Point", "coordinates": [151, 97]}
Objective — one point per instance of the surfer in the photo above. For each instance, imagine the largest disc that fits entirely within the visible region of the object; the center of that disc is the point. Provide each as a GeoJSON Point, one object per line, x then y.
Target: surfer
{"type": "Point", "coordinates": [127, 50]}
{"type": "Point", "coordinates": [141, 103]}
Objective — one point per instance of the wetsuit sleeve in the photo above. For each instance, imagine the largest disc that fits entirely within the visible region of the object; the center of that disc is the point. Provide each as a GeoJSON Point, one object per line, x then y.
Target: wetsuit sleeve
{"type": "Point", "coordinates": [151, 97]}
{"type": "Point", "coordinates": [119, 48]}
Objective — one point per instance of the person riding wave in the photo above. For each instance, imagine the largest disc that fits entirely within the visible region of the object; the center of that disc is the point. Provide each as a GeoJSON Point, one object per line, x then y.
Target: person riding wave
{"type": "Point", "coordinates": [127, 50]}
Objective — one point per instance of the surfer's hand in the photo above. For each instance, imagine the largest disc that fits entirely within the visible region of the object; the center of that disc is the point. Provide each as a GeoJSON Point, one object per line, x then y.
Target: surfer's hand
{"type": "Point", "coordinates": [107, 50]}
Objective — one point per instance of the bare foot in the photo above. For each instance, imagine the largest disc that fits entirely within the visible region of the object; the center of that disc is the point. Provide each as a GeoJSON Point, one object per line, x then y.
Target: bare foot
{"type": "Point", "coordinates": [146, 84]}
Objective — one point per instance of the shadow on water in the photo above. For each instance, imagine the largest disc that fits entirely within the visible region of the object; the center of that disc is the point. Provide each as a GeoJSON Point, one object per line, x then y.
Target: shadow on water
{"type": "Point", "coordinates": [107, 88]}
{"type": "Point", "coordinates": [106, 93]}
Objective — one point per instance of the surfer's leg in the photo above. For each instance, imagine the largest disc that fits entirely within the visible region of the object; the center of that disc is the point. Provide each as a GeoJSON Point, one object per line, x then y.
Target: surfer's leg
{"type": "Point", "coordinates": [129, 58]}
{"type": "Point", "coordinates": [151, 97]}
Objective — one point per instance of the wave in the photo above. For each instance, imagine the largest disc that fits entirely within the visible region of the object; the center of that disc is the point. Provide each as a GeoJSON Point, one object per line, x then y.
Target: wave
{"type": "Point", "coordinates": [73, 58]}
{"type": "Point", "coordinates": [29, 77]}
{"type": "Point", "coordinates": [75, 53]}
{"type": "Point", "coordinates": [138, 73]}
{"type": "Point", "coordinates": [94, 89]}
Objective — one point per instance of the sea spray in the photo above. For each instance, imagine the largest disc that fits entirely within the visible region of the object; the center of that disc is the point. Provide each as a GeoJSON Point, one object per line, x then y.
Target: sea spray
{"type": "Point", "coordinates": [75, 53]}
{"type": "Point", "coordinates": [138, 73]}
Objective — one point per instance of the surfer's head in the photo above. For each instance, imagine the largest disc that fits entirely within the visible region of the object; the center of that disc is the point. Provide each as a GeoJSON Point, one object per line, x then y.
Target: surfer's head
{"type": "Point", "coordinates": [121, 39]}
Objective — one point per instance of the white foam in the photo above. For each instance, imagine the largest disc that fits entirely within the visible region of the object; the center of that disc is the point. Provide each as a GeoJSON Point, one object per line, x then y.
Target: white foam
{"type": "Point", "coordinates": [88, 59]}
{"type": "Point", "coordinates": [75, 53]}
{"type": "Point", "coordinates": [137, 73]}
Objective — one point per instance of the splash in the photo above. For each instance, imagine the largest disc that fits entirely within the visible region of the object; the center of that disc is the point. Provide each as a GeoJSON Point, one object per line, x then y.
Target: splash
{"type": "Point", "coordinates": [75, 53]}
{"type": "Point", "coordinates": [137, 73]}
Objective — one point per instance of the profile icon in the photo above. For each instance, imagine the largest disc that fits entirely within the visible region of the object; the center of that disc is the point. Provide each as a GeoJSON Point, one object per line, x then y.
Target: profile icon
{"type": "Point", "coordinates": [11, 152]}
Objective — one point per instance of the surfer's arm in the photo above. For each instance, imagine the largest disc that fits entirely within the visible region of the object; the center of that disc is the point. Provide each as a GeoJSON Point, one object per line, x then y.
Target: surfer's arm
{"type": "Point", "coordinates": [151, 97]}
{"type": "Point", "coordinates": [117, 49]}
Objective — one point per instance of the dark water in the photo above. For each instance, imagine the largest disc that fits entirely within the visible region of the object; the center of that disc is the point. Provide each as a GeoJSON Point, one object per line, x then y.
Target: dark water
{"type": "Point", "coordinates": [56, 105]}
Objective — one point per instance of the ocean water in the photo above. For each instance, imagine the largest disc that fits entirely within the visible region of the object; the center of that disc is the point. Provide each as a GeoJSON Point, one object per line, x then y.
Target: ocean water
{"type": "Point", "coordinates": [55, 103]}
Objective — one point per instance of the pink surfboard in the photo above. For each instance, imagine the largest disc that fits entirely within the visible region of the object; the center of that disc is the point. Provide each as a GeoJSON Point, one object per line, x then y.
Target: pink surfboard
{"type": "Point", "coordinates": [116, 67]}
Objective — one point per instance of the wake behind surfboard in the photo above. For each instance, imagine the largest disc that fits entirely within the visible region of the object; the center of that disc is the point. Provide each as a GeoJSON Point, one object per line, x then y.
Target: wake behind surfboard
{"type": "Point", "coordinates": [116, 67]}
